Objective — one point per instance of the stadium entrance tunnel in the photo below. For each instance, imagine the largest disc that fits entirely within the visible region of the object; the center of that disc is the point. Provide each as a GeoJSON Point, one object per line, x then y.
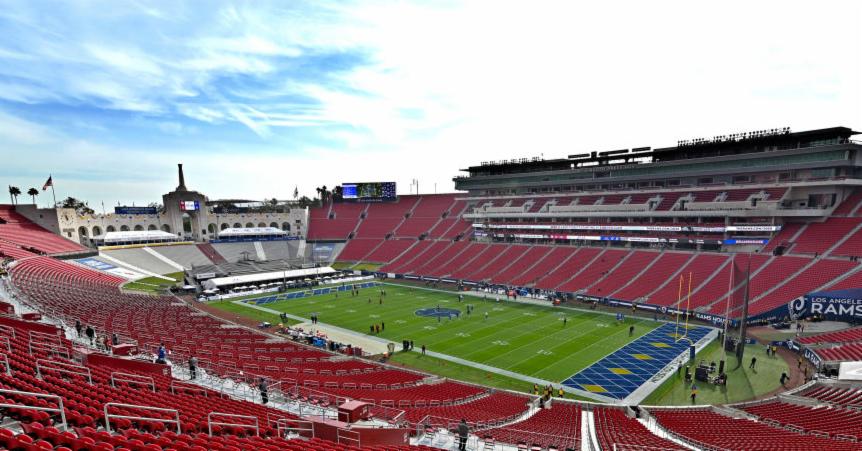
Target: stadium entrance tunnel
{"type": "Point", "coordinates": [435, 312]}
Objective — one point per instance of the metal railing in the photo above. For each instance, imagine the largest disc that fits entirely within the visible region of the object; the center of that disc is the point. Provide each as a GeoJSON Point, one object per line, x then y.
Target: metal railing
{"type": "Point", "coordinates": [177, 385]}
{"type": "Point", "coordinates": [6, 342]}
{"type": "Point", "coordinates": [7, 330]}
{"type": "Point", "coordinates": [133, 379]}
{"type": "Point", "coordinates": [59, 409]}
{"type": "Point", "coordinates": [108, 415]}
{"type": "Point", "coordinates": [346, 436]}
{"type": "Point", "coordinates": [43, 365]}
{"type": "Point", "coordinates": [300, 428]}
{"type": "Point", "coordinates": [6, 364]}
{"type": "Point", "coordinates": [211, 422]}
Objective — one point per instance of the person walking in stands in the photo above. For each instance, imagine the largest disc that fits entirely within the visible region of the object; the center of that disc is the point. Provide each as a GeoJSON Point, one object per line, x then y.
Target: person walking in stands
{"type": "Point", "coordinates": [78, 327]}
{"type": "Point", "coordinates": [161, 354]}
{"type": "Point", "coordinates": [106, 342]}
{"type": "Point", "coordinates": [264, 394]}
{"type": "Point", "coordinates": [753, 362]}
{"type": "Point", "coordinates": [193, 367]}
{"type": "Point", "coordinates": [115, 340]}
{"type": "Point", "coordinates": [423, 349]}
{"type": "Point", "coordinates": [91, 334]}
{"type": "Point", "coordinates": [463, 433]}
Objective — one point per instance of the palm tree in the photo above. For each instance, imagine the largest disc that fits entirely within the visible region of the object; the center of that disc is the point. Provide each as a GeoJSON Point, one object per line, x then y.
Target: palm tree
{"type": "Point", "coordinates": [33, 192]}
{"type": "Point", "coordinates": [14, 192]}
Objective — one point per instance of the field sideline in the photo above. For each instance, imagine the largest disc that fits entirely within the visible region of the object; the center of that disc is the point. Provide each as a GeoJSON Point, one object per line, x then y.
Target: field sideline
{"type": "Point", "coordinates": [526, 339]}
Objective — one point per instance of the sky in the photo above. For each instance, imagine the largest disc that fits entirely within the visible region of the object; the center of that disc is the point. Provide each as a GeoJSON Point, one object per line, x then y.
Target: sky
{"type": "Point", "coordinates": [256, 98]}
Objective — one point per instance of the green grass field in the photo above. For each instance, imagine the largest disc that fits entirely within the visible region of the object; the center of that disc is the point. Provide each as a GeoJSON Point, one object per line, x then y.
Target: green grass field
{"type": "Point", "coordinates": [525, 339]}
{"type": "Point", "coordinates": [742, 384]}
{"type": "Point", "coordinates": [154, 284]}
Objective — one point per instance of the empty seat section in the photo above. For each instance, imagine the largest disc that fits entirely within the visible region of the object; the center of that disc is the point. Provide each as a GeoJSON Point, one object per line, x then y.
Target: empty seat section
{"type": "Point", "coordinates": [638, 261]}
{"type": "Point", "coordinates": [517, 267]}
{"type": "Point", "coordinates": [506, 259]}
{"type": "Point", "coordinates": [817, 275]}
{"type": "Point", "coordinates": [447, 252]}
{"type": "Point", "coordinates": [558, 426]}
{"type": "Point", "coordinates": [703, 426]}
{"type": "Point", "coordinates": [817, 238]}
{"type": "Point", "coordinates": [389, 250]}
{"type": "Point", "coordinates": [577, 262]}
{"type": "Point", "coordinates": [594, 271]}
{"type": "Point", "coordinates": [666, 265]}
{"type": "Point", "coordinates": [554, 257]}
{"type": "Point", "coordinates": [832, 420]}
{"type": "Point", "coordinates": [841, 336]}
{"type": "Point", "coordinates": [616, 430]}
{"type": "Point", "coordinates": [420, 248]}
{"type": "Point", "coordinates": [700, 269]}
{"type": "Point", "coordinates": [463, 262]}
{"type": "Point", "coordinates": [357, 248]}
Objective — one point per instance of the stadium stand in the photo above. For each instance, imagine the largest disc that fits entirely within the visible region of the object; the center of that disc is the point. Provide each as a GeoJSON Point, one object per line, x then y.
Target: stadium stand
{"type": "Point", "coordinates": [835, 395]}
{"type": "Point", "coordinates": [841, 336]}
{"type": "Point", "coordinates": [17, 230]}
{"type": "Point", "coordinates": [819, 237]}
{"type": "Point", "coordinates": [709, 429]}
{"type": "Point", "coordinates": [835, 421]}
{"type": "Point", "coordinates": [234, 252]}
{"type": "Point", "coordinates": [187, 255]}
{"type": "Point", "coordinates": [557, 426]}
{"type": "Point", "coordinates": [844, 352]}
{"type": "Point", "coordinates": [140, 258]}
{"type": "Point", "coordinates": [613, 426]}
{"type": "Point", "coordinates": [211, 253]}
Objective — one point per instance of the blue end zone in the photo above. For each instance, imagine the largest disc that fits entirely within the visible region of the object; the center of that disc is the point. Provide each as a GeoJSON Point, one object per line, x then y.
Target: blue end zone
{"type": "Point", "coordinates": [438, 312]}
{"type": "Point", "coordinates": [622, 372]}
{"type": "Point", "coordinates": [309, 293]}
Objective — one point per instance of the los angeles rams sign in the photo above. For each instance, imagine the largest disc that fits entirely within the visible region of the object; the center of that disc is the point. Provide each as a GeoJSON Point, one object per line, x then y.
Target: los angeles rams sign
{"type": "Point", "coordinates": [840, 304]}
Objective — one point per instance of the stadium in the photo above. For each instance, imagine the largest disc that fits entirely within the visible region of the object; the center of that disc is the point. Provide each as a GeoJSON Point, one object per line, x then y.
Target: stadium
{"type": "Point", "coordinates": [703, 296]}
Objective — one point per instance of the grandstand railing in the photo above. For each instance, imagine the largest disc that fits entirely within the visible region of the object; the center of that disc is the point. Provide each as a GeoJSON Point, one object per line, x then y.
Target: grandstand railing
{"type": "Point", "coordinates": [300, 428]}
{"type": "Point", "coordinates": [58, 410]}
{"type": "Point", "coordinates": [178, 386]}
{"type": "Point", "coordinates": [212, 420]}
{"type": "Point", "coordinates": [544, 441]}
{"type": "Point", "coordinates": [43, 365]}
{"type": "Point", "coordinates": [6, 364]}
{"type": "Point", "coordinates": [133, 379]}
{"type": "Point", "coordinates": [116, 405]}
{"type": "Point", "coordinates": [348, 437]}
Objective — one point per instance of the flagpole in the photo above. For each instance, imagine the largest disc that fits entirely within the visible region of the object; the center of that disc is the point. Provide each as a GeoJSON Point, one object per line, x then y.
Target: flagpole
{"type": "Point", "coordinates": [53, 193]}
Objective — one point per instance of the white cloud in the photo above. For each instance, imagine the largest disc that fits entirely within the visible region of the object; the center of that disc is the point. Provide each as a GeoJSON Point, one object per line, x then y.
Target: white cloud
{"type": "Point", "coordinates": [381, 90]}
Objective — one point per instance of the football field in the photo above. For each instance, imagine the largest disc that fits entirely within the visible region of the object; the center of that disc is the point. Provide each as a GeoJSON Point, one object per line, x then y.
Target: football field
{"type": "Point", "coordinates": [528, 339]}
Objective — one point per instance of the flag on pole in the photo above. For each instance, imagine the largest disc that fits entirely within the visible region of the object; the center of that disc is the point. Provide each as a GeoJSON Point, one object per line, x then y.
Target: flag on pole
{"type": "Point", "coordinates": [295, 192]}
{"type": "Point", "coordinates": [49, 182]}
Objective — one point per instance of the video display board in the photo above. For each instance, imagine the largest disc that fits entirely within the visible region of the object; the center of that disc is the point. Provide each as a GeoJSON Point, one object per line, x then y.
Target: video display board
{"type": "Point", "coordinates": [369, 191]}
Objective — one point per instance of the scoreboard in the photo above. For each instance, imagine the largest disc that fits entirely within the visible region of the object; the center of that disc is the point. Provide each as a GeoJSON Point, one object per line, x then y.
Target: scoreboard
{"type": "Point", "coordinates": [369, 191]}
{"type": "Point", "coordinates": [190, 205]}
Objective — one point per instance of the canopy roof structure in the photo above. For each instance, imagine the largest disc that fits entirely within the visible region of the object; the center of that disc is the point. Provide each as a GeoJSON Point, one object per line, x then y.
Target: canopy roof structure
{"type": "Point", "coordinates": [253, 279]}
{"type": "Point", "coordinates": [250, 231]}
{"type": "Point", "coordinates": [139, 236]}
